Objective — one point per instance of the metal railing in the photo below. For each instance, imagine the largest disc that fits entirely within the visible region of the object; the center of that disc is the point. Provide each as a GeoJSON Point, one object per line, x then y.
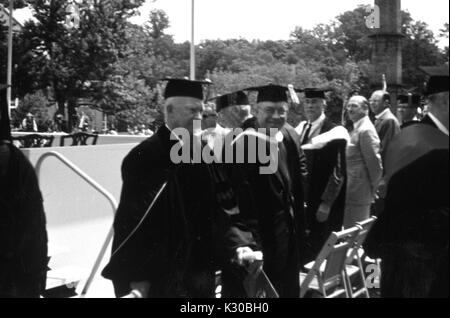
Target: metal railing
{"type": "Point", "coordinates": [102, 191]}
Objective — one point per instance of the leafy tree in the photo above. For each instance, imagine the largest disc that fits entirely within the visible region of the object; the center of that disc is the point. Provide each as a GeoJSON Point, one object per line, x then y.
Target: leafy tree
{"type": "Point", "coordinates": [37, 104]}
{"type": "Point", "coordinates": [444, 34]}
{"type": "Point", "coordinates": [420, 48]}
{"type": "Point", "coordinates": [66, 60]}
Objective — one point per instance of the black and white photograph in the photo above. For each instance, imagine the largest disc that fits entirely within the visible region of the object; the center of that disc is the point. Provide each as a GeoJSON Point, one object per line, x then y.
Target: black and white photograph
{"type": "Point", "coordinates": [224, 153]}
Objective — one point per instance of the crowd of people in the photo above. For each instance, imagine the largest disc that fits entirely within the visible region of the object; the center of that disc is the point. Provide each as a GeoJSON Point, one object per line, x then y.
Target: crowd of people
{"type": "Point", "coordinates": [178, 223]}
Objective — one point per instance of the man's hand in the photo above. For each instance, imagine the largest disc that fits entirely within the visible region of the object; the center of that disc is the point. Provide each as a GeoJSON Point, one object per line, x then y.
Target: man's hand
{"type": "Point", "coordinates": [323, 213]}
{"type": "Point", "coordinates": [140, 289]}
{"type": "Point", "coordinates": [247, 255]}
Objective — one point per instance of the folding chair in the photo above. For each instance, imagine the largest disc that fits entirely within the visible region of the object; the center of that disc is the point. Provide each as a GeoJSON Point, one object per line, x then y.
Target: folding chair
{"type": "Point", "coordinates": [79, 139]}
{"type": "Point", "coordinates": [327, 272]}
{"type": "Point", "coordinates": [354, 256]}
{"type": "Point", "coordinates": [34, 141]}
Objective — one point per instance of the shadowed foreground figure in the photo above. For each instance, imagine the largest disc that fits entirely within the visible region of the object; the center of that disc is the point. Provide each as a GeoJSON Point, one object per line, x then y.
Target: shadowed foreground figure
{"type": "Point", "coordinates": [411, 234]}
{"type": "Point", "coordinates": [23, 237]}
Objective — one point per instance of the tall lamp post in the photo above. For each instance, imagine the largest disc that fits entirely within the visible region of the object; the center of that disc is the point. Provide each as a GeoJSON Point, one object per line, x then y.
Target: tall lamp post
{"type": "Point", "coordinates": [193, 42]}
{"type": "Point", "coordinates": [10, 48]}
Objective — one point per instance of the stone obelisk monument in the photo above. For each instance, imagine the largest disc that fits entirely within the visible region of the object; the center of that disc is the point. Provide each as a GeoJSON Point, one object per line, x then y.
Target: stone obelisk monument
{"type": "Point", "coordinates": [387, 47]}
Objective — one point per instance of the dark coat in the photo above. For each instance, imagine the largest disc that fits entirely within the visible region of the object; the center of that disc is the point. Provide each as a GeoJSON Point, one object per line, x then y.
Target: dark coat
{"type": "Point", "coordinates": [387, 127]}
{"type": "Point", "coordinates": [271, 209]}
{"type": "Point", "coordinates": [327, 175]}
{"type": "Point", "coordinates": [411, 234]}
{"type": "Point", "coordinates": [23, 235]}
{"type": "Point", "coordinates": [178, 246]}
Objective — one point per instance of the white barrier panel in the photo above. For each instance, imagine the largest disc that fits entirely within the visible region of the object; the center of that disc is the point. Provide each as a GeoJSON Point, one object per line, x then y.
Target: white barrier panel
{"type": "Point", "coordinates": [78, 217]}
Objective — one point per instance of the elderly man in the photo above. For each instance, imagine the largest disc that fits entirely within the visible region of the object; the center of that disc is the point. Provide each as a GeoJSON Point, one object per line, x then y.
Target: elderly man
{"type": "Point", "coordinates": [407, 109]}
{"type": "Point", "coordinates": [172, 216]}
{"type": "Point", "coordinates": [364, 167]}
{"type": "Point", "coordinates": [327, 174]}
{"type": "Point", "coordinates": [213, 133]}
{"type": "Point", "coordinates": [411, 235]}
{"type": "Point", "coordinates": [271, 204]}
{"type": "Point", "coordinates": [386, 123]}
{"type": "Point", "coordinates": [235, 108]}
{"type": "Point", "coordinates": [23, 235]}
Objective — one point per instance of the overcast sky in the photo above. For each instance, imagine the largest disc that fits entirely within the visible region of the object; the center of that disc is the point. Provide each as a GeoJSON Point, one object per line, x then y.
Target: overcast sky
{"type": "Point", "coordinates": [271, 19]}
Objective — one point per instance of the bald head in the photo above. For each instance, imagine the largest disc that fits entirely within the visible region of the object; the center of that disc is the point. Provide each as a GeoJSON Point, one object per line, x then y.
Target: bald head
{"type": "Point", "coordinates": [379, 101]}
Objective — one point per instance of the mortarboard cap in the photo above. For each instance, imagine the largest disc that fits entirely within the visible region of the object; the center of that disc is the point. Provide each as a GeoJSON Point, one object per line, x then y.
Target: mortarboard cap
{"type": "Point", "coordinates": [438, 81]}
{"type": "Point", "coordinates": [315, 92]}
{"type": "Point", "coordinates": [184, 88]}
{"type": "Point", "coordinates": [233, 99]}
{"type": "Point", "coordinates": [271, 93]}
{"type": "Point", "coordinates": [5, 129]}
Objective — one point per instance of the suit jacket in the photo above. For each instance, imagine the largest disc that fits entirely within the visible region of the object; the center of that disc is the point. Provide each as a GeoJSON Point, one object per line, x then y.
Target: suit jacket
{"type": "Point", "coordinates": [178, 246]}
{"type": "Point", "coordinates": [387, 127]}
{"type": "Point", "coordinates": [364, 167]}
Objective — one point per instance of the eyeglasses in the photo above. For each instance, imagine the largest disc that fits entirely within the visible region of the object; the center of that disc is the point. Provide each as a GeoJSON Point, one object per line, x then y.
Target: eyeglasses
{"type": "Point", "coordinates": [272, 110]}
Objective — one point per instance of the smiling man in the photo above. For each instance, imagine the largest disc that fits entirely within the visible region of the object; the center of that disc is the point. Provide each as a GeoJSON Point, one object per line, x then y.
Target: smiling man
{"type": "Point", "coordinates": [271, 205]}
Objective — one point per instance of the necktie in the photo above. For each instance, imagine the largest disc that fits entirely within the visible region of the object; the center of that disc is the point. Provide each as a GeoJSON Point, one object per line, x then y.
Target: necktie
{"type": "Point", "coordinates": [306, 133]}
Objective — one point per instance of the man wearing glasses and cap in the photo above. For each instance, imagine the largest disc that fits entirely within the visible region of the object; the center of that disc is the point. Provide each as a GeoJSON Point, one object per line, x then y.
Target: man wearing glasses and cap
{"type": "Point", "coordinates": [411, 235]}
{"type": "Point", "coordinates": [170, 224]}
{"type": "Point", "coordinates": [271, 204]}
{"type": "Point", "coordinates": [23, 236]}
{"type": "Point", "coordinates": [408, 104]}
{"type": "Point", "coordinates": [235, 109]}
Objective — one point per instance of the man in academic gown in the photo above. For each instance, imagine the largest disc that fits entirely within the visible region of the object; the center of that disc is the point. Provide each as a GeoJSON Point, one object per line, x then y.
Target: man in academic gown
{"type": "Point", "coordinates": [234, 109]}
{"type": "Point", "coordinates": [170, 224]}
{"type": "Point", "coordinates": [411, 235]}
{"type": "Point", "coordinates": [407, 109]}
{"type": "Point", "coordinates": [270, 191]}
{"type": "Point", "coordinates": [23, 236]}
{"type": "Point", "coordinates": [327, 173]}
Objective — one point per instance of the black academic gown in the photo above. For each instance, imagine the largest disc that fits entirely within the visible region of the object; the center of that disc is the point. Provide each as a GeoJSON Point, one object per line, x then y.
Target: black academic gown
{"type": "Point", "coordinates": [326, 180]}
{"type": "Point", "coordinates": [271, 209]}
{"type": "Point", "coordinates": [179, 245]}
{"type": "Point", "coordinates": [23, 235]}
{"type": "Point", "coordinates": [411, 234]}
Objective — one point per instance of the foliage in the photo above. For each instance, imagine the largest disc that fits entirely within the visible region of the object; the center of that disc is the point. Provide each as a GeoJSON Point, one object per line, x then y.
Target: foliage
{"type": "Point", "coordinates": [118, 65]}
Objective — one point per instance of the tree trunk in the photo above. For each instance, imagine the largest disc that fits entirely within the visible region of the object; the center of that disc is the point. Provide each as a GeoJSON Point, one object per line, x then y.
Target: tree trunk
{"type": "Point", "coordinates": [72, 112]}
